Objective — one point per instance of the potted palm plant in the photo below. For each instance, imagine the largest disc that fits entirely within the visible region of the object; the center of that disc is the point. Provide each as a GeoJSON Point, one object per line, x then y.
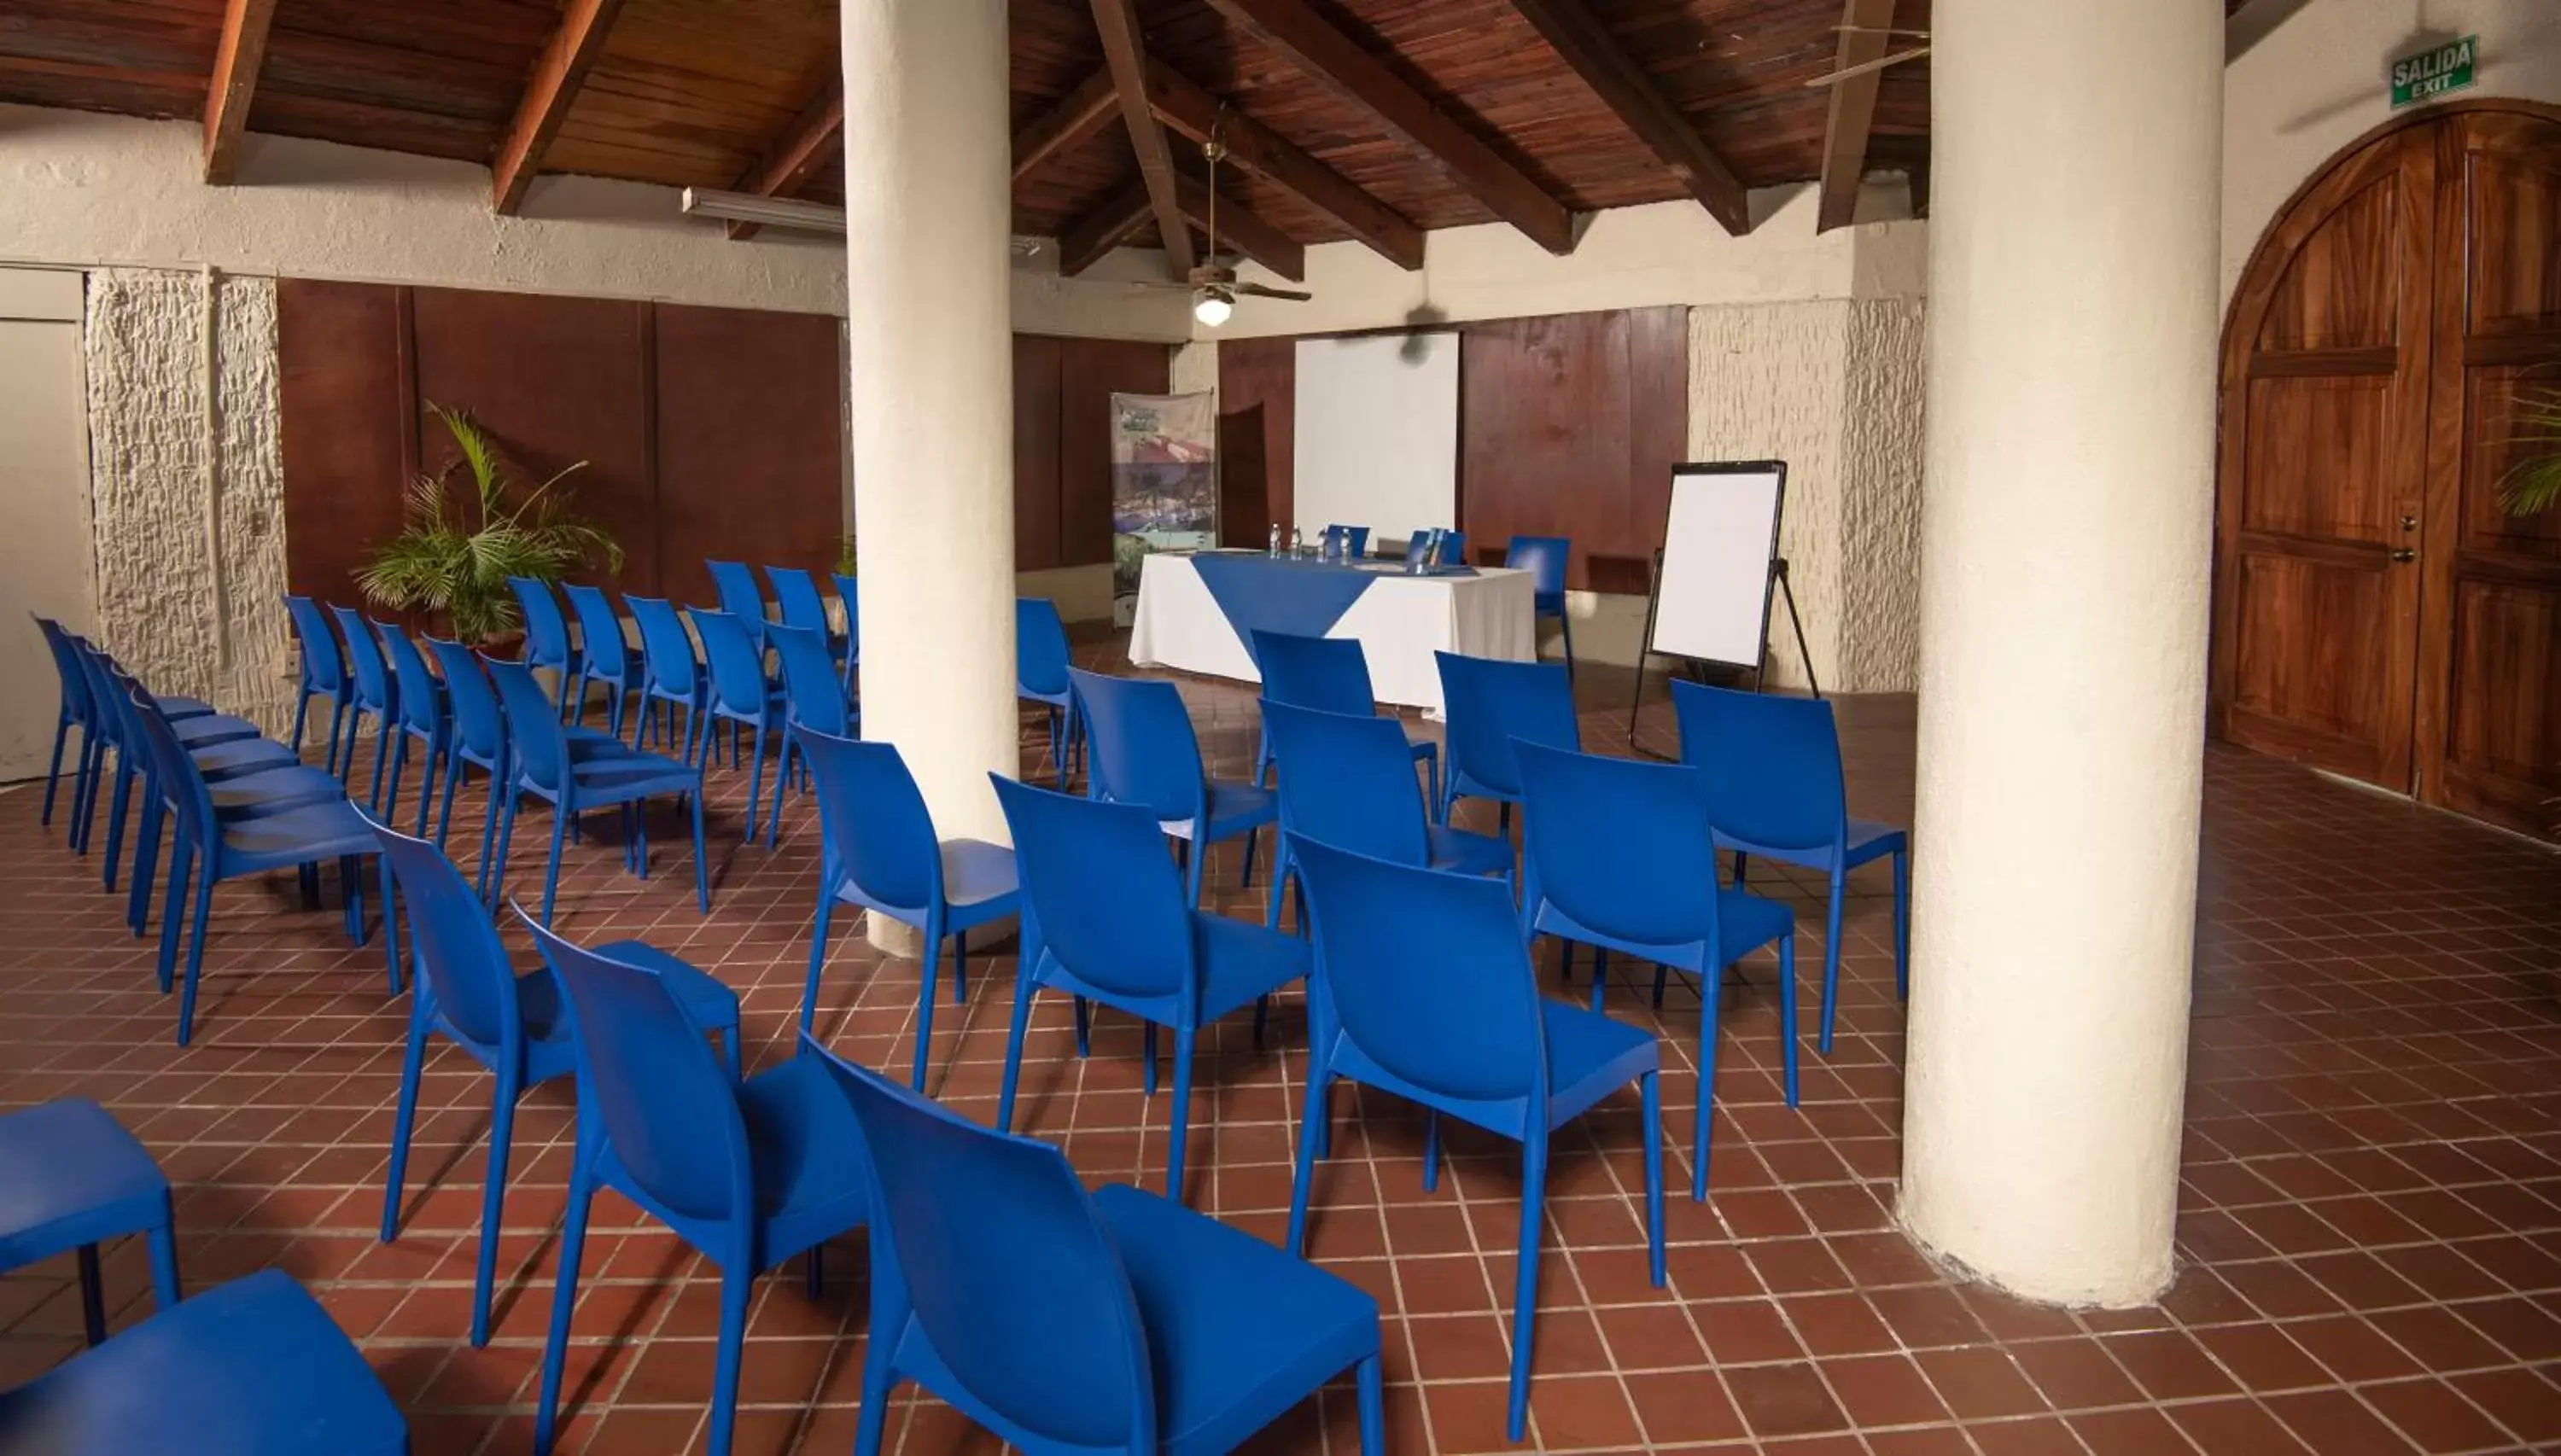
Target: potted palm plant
{"type": "Point", "coordinates": [2532, 484]}
{"type": "Point", "coordinates": [452, 558]}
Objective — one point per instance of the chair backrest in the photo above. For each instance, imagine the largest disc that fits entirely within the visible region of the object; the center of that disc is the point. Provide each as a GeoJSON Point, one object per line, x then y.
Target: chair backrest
{"type": "Point", "coordinates": [1488, 703]}
{"type": "Point", "coordinates": [1620, 844]}
{"type": "Point", "coordinates": [989, 1244]}
{"type": "Point", "coordinates": [1143, 744]}
{"type": "Point", "coordinates": [1102, 893]}
{"type": "Point", "coordinates": [533, 724]}
{"type": "Point", "coordinates": [1544, 558]}
{"type": "Point", "coordinates": [809, 681]}
{"type": "Point", "coordinates": [666, 650]}
{"type": "Point", "coordinates": [365, 659]}
{"type": "Point", "coordinates": [600, 629]}
{"type": "Point", "coordinates": [851, 600]}
{"type": "Point", "coordinates": [740, 595]}
{"type": "Point", "coordinates": [421, 700]}
{"type": "Point", "coordinates": [645, 1071]}
{"type": "Point", "coordinates": [796, 597]}
{"type": "Point", "coordinates": [106, 718]}
{"type": "Point", "coordinates": [1348, 780]}
{"type": "Point", "coordinates": [1040, 646]}
{"type": "Point", "coordinates": [75, 682]}
{"type": "Point", "coordinates": [1453, 549]}
{"type": "Point", "coordinates": [1772, 766]}
{"type": "Point", "coordinates": [546, 630]}
{"type": "Point", "coordinates": [324, 668]}
{"type": "Point", "coordinates": [451, 941]}
{"type": "Point", "coordinates": [1354, 539]}
{"type": "Point", "coordinates": [1426, 973]}
{"type": "Point", "coordinates": [177, 774]}
{"type": "Point", "coordinates": [478, 724]}
{"type": "Point", "coordinates": [735, 652]}
{"type": "Point", "coordinates": [872, 826]}
{"type": "Point", "coordinates": [1328, 673]}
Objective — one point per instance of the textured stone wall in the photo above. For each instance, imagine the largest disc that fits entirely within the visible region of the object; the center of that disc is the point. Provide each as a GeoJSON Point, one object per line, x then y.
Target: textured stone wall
{"type": "Point", "coordinates": [158, 606]}
{"type": "Point", "coordinates": [1880, 564]}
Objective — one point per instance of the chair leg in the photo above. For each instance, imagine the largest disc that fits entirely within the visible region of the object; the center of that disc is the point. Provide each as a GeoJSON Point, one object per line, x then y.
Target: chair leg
{"type": "Point", "coordinates": [564, 1298]}
{"type": "Point", "coordinates": [146, 861]}
{"type": "Point", "coordinates": [1084, 1027]}
{"type": "Point", "coordinates": [339, 712]}
{"type": "Point", "coordinates": [182, 859]}
{"type": "Point", "coordinates": [1831, 959]}
{"type": "Point", "coordinates": [445, 811]}
{"type": "Point", "coordinates": [1147, 1050]}
{"type": "Point", "coordinates": [702, 865]}
{"type": "Point", "coordinates": [755, 779]}
{"type": "Point", "coordinates": [561, 816]}
{"type": "Point", "coordinates": [1902, 926]}
{"type": "Point", "coordinates": [387, 799]}
{"type": "Point", "coordinates": [1565, 960]}
{"type": "Point", "coordinates": [736, 1287]}
{"type": "Point", "coordinates": [1662, 977]}
{"type": "Point", "coordinates": [405, 1113]}
{"type": "Point", "coordinates": [496, 865]}
{"type": "Point", "coordinates": [1651, 1086]}
{"type": "Point", "coordinates": [61, 732]}
{"type": "Point", "coordinates": [163, 1243]}
{"type": "Point", "coordinates": [1252, 837]}
{"type": "Point", "coordinates": [1431, 1150]}
{"type": "Point", "coordinates": [1699, 1149]}
{"type": "Point", "coordinates": [1195, 860]}
{"type": "Point", "coordinates": [1600, 974]}
{"type": "Point", "coordinates": [1525, 1290]}
{"type": "Point", "coordinates": [1182, 1114]}
{"type": "Point", "coordinates": [195, 950]}
{"type": "Point", "coordinates": [1373, 1408]}
{"type": "Point", "coordinates": [872, 1420]}
{"type": "Point", "coordinates": [1742, 869]}
{"type": "Point", "coordinates": [1280, 878]}
{"type": "Point", "coordinates": [382, 734]}
{"type": "Point", "coordinates": [817, 950]}
{"type": "Point", "coordinates": [1786, 1010]}
{"type": "Point", "coordinates": [493, 1199]}
{"type": "Point", "coordinates": [115, 811]}
{"type": "Point", "coordinates": [426, 770]}
{"type": "Point", "coordinates": [1015, 1031]}
{"type": "Point", "coordinates": [932, 958]}
{"type": "Point", "coordinates": [1310, 1125]}
{"type": "Point", "coordinates": [92, 1296]}
{"type": "Point", "coordinates": [488, 840]}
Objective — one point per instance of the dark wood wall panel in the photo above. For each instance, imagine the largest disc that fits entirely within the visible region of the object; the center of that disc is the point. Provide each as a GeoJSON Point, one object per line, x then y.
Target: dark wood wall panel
{"type": "Point", "coordinates": [750, 443]}
{"type": "Point", "coordinates": [1036, 452]}
{"type": "Point", "coordinates": [348, 415]}
{"type": "Point", "coordinates": [1091, 372]}
{"type": "Point", "coordinates": [1257, 414]}
{"type": "Point", "coordinates": [555, 381]}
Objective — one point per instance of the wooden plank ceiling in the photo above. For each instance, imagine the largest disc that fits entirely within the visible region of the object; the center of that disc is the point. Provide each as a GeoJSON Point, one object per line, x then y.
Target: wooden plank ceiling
{"type": "Point", "coordinates": [1347, 118]}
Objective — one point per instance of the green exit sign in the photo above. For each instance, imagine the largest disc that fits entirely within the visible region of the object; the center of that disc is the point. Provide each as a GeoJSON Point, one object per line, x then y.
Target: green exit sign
{"type": "Point", "coordinates": [2437, 72]}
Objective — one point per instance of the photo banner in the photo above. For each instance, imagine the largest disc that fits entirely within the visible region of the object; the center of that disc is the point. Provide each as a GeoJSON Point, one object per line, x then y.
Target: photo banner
{"type": "Point", "coordinates": [1165, 483]}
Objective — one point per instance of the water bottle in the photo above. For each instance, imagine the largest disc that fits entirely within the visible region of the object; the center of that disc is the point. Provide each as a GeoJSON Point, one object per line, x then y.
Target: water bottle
{"type": "Point", "coordinates": [1297, 543]}
{"type": "Point", "coordinates": [1275, 548]}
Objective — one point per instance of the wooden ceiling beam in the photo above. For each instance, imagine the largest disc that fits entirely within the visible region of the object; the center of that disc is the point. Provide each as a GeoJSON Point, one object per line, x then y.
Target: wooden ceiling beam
{"type": "Point", "coordinates": [1251, 234]}
{"type": "Point", "coordinates": [246, 24]}
{"type": "Point", "coordinates": [1068, 125]}
{"type": "Point", "coordinates": [1342, 66]}
{"type": "Point", "coordinates": [1853, 111]}
{"type": "Point", "coordinates": [1083, 242]}
{"type": "Point", "coordinates": [1256, 148]}
{"type": "Point", "coordinates": [557, 73]}
{"type": "Point", "coordinates": [813, 136]}
{"type": "Point", "coordinates": [1629, 91]}
{"type": "Point", "coordinates": [1126, 60]}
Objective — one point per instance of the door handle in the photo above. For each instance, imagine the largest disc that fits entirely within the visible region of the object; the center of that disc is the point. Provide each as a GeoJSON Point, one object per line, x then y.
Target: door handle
{"type": "Point", "coordinates": [2405, 555]}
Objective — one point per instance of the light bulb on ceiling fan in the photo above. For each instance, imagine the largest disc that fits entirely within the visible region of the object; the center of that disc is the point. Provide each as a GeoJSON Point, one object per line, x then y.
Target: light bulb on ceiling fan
{"type": "Point", "coordinates": [1213, 307]}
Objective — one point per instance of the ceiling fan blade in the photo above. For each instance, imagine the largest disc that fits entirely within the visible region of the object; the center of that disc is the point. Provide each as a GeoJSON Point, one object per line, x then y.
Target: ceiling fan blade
{"type": "Point", "coordinates": [1291, 294]}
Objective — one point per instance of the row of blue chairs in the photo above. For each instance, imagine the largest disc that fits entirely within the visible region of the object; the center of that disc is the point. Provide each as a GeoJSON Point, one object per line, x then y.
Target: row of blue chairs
{"type": "Point", "coordinates": [254, 1367]}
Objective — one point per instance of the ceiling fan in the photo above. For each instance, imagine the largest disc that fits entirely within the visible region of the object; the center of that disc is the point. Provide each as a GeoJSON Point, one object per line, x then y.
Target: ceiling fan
{"type": "Point", "coordinates": [1213, 284]}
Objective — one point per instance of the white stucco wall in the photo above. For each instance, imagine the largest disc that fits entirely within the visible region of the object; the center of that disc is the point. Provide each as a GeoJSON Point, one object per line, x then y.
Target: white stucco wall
{"type": "Point", "coordinates": [2322, 80]}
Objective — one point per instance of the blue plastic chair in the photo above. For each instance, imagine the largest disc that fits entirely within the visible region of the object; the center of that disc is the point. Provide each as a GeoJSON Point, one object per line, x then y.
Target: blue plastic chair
{"type": "Point", "coordinates": [323, 673]}
{"type": "Point", "coordinates": [73, 712]}
{"type": "Point", "coordinates": [813, 695]}
{"type": "Point", "coordinates": [543, 764]}
{"type": "Point", "coordinates": [797, 603]}
{"type": "Point", "coordinates": [1041, 659]}
{"type": "Point", "coordinates": [604, 656]}
{"type": "Point", "coordinates": [851, 600]}
{"type": "Point", "coordinates": [1489, 704]}
{"type": "Point", "coordinates": [1424, 989]}
{"type": "Point", "coordinates": [742, 694]}
{"type": "Point", "coordinates": [878, 852]}
{"type": "Point", "coordinates": [1346, 541]}
{"type": "Point", "coordinates": [370, 697]}
{"type": "Point", "coordinates": [1062, 1320]}
{"type": "Point", "coordinates": [424, 717]}
{"type": "Point", "coordinates": [254, 1367]}
{"type": "Point", "coordinates": [71, 1178]}
{"type": "Point", "coordinates": [110, 690]}
{"type": "Point", "coordinates": [1772, 767]}
{"type": "Point", "coordinates": [1347, 782]}
{"type": "Point", "coordinates": [1330, 675]}
{"type": "Point", "coordinates": [1545, 558]}
{"type": "Point", "coordinates": [468, 993]}
{"type": "Point", "coordinates": [548, 644]}
{"type": "Point", "coordinates": [671, 675]}
{"type": "Point", "coordinates": [1621, 856]}
{"type": "Point", "coordinates": [747, 1173]}
{"type": "Point", "coordinates": [211, 851]}
{"type": "Point", "coordinates": [1145, 752]}
{"type": "Point", "coordinates": [479, 737]}
{"type": "Point", "coordinates": [1107, 925]}
{"type": "Point", "coordinates": [740, 595]}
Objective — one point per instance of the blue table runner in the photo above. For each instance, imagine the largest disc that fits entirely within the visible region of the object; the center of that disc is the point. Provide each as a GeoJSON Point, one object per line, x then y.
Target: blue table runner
{"type": "Point", "coordinates": [1260, 593]}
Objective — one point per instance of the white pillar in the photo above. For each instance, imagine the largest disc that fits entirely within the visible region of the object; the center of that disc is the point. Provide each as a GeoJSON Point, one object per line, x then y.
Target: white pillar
{"type": "Point", "coordinates": [2066, 537]}
{"type": "Point", "coordinates": [929, 309]}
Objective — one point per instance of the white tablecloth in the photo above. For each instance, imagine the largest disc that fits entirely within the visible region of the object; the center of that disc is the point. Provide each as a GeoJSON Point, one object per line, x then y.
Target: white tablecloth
{"type": "Point", "coordinates": [1400, 621]}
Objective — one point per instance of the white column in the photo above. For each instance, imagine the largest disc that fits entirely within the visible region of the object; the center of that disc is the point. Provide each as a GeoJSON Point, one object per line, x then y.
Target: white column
{"type": "Point", "coordinates": [2066, 536]}
{"type": "Point", "coordinates": [927, 206]}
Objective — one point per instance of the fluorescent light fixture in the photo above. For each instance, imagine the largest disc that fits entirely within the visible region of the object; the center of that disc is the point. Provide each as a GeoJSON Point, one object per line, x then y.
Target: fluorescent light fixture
{"type": "Point", "coordinates": [770, 212]}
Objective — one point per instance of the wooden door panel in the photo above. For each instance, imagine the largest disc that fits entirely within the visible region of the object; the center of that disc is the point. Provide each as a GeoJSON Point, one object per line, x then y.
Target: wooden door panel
{"type": "Point", "coordinates": [2312, 627]}
{"type": "Point", "coordinates": [2319, 449]}
{"type": "Point", "coordinates": [2506, 725]}
{"type": "Point", "coordinates": [2493, 450]}
{"type": "Point", "coordinates": [2513, 207]}
{"type": "Point", "coordinates": [2343, 288]}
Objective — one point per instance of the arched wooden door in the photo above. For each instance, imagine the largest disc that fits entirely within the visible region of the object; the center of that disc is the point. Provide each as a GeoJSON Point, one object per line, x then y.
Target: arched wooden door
{"type": "Point", "coordinates": [2375, 612]}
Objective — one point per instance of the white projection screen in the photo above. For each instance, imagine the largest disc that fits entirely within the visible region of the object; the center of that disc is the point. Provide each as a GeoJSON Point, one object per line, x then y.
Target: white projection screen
{"type": "Point", "coordinates": [1712, 598]}
{"type": "Point", "coordinates": [1377, 434]}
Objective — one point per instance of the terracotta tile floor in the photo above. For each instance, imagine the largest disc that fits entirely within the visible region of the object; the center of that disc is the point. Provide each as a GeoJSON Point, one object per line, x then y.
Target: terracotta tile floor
{"type": "Point", "coordinates": [2371, 1203]}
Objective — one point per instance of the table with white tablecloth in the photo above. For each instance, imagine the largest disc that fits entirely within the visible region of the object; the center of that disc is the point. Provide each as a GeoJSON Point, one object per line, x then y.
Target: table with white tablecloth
{"type": "Point", "coordinates": [1194, 610]}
